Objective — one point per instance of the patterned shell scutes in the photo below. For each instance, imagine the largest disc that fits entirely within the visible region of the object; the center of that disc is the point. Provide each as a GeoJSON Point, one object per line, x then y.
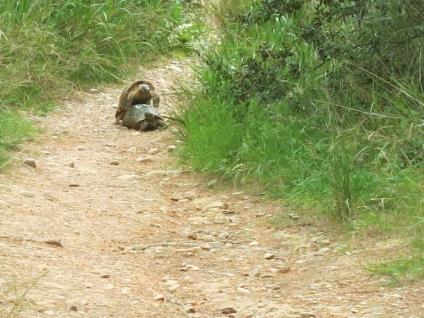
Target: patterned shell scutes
{"type": "Point", "coordinates": [137, 113]}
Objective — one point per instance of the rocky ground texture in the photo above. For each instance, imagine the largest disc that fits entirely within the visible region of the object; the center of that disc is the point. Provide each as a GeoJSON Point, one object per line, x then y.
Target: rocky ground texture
{"type": "Point", "coordinates": [99, 221]}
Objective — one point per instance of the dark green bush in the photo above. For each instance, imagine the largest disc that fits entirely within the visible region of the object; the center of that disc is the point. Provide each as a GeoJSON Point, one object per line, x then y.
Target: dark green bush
{"type": "Point", "coordinates": [326, 103]}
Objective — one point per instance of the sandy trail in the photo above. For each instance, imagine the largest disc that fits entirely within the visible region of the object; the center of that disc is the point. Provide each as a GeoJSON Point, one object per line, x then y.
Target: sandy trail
{"type": "Point", "coordinates": [142, 238]}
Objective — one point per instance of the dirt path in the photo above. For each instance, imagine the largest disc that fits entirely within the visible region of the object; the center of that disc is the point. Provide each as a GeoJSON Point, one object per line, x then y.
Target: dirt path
{"type": "Point", "coordinates": [141, 238]}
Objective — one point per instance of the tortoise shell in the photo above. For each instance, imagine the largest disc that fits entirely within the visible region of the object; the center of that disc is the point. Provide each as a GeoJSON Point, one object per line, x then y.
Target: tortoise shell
{"type": "Point", "coordinates": [142, 113]}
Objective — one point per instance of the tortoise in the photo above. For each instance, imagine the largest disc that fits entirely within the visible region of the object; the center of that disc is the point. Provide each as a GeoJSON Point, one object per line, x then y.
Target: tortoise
{"type": "Point", "coordinates": [143, 117]}
{"type": "Point", "coordinates": [139, 92]}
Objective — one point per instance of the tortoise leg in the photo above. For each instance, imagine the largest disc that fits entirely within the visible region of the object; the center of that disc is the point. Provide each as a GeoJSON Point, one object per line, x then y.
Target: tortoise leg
{"type": "Point", "coordinates": [144, 126]}
{"type": "Point", "coordinates": [160, 123]}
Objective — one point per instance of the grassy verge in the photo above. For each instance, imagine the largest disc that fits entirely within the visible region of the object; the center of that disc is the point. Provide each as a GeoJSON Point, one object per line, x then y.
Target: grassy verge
{"type": "Point", "coordinates": [14, 129]}
{"type": "Point", "coordinates": [310, 101]}
{"type": "Point", "coordinates": [49, 47]}
{"type": "Point", "coordinates": [404, 269]}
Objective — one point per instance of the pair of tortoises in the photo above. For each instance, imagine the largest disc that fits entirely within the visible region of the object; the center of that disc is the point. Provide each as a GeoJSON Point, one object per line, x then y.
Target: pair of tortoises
{"type": "Point", "coordinates": [138, 107]}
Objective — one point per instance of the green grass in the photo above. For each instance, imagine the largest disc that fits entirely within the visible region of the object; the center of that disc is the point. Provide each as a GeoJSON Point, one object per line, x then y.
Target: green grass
{"type": "Point", "coordinates": [50, 47]}
{"type": "Point", "coordinates": [339, 137]}
{"type": "Point", "coordinates": [14, 129]}
{"type": "Point", "coordinates": [402, 271]}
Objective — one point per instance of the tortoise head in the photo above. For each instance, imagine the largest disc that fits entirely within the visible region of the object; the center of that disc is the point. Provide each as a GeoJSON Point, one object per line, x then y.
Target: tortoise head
{"type": "Point", "coordinates": [144, 88]}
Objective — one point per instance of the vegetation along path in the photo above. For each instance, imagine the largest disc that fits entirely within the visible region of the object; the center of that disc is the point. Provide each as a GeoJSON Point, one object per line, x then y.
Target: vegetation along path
{"type": "Point", "coordinates": [106, 226]}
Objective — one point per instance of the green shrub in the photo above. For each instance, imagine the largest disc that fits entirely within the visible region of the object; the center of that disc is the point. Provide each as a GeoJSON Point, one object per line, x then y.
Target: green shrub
{"type": "Point", "coordinates": [325, 109]}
